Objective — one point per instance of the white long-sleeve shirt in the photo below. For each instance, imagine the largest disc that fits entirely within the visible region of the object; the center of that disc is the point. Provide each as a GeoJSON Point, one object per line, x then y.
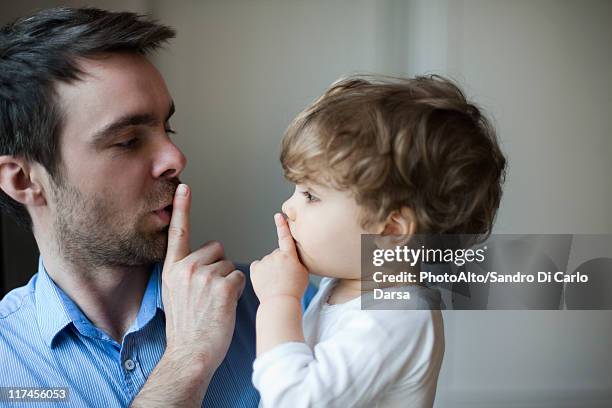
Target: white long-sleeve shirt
{"type": "Point", "coordinates": [355, 358]}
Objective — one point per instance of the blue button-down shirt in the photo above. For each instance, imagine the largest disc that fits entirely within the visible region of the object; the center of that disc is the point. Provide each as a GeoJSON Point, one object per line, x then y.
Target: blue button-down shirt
{"type": "Point", "coordinates": [46, 341]}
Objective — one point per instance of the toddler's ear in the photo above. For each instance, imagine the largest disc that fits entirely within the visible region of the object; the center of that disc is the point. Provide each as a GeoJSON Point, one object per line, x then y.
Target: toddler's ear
{"type": "Point", "coordinates": [397, 230]}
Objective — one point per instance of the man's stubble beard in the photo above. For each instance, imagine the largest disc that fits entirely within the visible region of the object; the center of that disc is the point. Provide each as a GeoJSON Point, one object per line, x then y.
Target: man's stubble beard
{"type": "Point", "coordinates": [90, 233]}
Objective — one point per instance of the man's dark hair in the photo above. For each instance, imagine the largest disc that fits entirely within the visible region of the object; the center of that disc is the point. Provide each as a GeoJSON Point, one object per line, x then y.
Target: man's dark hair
{"type": "Point", "coordinates": [38, 51]}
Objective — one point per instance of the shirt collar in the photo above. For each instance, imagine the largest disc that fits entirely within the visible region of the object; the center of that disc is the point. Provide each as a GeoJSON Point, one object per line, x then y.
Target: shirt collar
{"type": "Point", "coordinates": [151, 301]}
{"type": "Point", "coordinates": [55, 310]}
{"type": "Point", "coordinates": [51, 312]}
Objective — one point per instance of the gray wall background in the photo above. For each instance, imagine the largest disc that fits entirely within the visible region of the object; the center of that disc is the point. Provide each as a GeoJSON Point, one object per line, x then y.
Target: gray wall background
{"type": "Point", "coordinates": [239, 71]}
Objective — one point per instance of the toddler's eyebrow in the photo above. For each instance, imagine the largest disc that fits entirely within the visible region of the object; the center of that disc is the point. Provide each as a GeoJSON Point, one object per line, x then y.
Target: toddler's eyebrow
{"type": "Point", "coordinates": [312, 190]}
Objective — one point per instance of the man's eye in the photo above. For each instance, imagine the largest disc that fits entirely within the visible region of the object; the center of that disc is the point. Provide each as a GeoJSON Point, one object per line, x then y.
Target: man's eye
{"type": "Point", "coordinates": [171, 131]}
{"type": "Point", "coordinates": [128, 143]}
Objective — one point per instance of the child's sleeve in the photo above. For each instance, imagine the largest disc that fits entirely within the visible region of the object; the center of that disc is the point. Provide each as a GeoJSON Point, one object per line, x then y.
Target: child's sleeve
{"type": "Point", "coordinates": [369, 352]}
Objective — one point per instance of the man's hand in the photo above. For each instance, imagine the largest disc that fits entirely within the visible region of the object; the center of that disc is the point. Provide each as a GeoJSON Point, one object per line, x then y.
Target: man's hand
{"type": "Point", "coordinates": [200, 291]}
{"type": "Point", "coordinates": [280, 273]}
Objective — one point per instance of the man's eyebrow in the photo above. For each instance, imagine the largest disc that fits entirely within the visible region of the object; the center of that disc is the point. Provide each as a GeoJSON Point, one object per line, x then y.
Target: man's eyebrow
{"type": "Point", "coordinates": [139, 119]}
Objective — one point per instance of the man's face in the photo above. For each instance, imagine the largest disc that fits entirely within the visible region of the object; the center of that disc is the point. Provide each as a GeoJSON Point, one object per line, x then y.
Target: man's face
{"type": "Point", "coordinates": [119, 168]}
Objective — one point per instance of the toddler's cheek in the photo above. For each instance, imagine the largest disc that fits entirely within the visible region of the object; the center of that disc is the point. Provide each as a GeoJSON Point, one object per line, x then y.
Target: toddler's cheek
{"type": "Point", "coordinates": [304, 258]}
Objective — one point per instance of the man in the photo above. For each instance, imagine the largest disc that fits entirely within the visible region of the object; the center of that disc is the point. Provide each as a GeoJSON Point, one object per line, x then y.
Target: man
{"type": "Point", "coordinates": [87, 162]}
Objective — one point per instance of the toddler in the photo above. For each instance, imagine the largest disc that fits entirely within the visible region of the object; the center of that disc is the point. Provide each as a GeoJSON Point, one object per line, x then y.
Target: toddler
{"type": "Point", "coordinates": [385, 156]}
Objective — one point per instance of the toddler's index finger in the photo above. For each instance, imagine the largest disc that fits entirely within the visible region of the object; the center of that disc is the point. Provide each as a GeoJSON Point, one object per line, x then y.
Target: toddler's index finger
{"type": "Point", "coordinates": [285, 240]}
{"type": "Point", "coordinates": [178, 232]}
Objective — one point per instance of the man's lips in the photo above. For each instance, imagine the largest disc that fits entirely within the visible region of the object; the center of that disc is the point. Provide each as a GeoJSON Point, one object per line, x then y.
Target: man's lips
{"type": "Point", "coordinates": [164, 213]}
{"type": "Point", "coordinates": [167, 206]}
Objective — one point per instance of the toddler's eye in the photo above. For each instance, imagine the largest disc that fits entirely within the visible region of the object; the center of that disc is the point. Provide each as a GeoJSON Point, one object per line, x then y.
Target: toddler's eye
{"type": "Point", "coordinates": [309, 197]}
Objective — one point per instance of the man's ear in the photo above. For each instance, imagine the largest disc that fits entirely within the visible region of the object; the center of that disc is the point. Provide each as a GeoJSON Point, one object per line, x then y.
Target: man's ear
{"type": "Point", "coordinates": [398, 229]}
{"type": "Point", "coordinates": [20, 181]}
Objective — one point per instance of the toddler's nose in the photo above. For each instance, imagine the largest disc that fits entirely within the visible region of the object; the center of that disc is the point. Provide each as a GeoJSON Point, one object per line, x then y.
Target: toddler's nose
{"type": "Point", "coordinates": [288, 210]}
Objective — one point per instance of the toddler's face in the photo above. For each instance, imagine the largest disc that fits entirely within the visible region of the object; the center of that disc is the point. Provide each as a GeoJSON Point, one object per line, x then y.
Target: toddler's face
{"type": "Point", "coordinates": [325, 225]}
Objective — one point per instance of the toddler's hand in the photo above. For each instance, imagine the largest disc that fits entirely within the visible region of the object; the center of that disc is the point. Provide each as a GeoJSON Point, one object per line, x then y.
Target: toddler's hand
{"type": "Point", "coordinates": [280, 273]}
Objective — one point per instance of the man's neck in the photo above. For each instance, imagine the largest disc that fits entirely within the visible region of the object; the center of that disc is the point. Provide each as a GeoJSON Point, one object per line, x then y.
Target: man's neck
{"type": "Point", "coordinates": [110, 297]}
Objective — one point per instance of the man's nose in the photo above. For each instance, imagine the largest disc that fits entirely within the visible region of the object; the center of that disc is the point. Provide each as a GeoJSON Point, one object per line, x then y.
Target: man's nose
{"type": "Point", "coordinates": [288, 209]}
{"type": "Point", "coordinates": [169, 162]}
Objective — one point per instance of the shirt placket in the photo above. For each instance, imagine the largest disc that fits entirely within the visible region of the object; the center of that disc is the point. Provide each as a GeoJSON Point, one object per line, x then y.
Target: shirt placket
{"type": "Point", "coordinates": [131, 366]}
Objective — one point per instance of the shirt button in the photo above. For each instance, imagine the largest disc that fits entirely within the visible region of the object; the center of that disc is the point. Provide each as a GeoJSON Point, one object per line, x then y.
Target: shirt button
{"type": "Point", "coordinates": [129, 365]}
